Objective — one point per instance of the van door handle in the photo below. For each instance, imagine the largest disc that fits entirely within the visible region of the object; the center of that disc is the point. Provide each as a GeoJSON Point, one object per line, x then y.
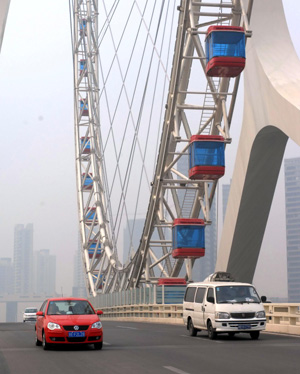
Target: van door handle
{"type": "Point", "coordinates": [203, 309]}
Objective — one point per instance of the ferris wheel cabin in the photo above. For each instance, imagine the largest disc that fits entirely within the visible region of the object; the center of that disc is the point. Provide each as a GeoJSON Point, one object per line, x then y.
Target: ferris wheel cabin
{"type": "Point", "coordinates": [90, 217]}
{"type": "Point", "coordinates": [91, 249]}
{"type": "Point", "coordinates": [206, 157]}
{"type": "Point", "coordinates": [87, 182]}
{"type": "Point", "coordinates": [225, 51]}
{"type": "Point", "coordinates": [85, 145]}
{"type": "Point", "coordinates": [82, 68]}
{"type": "Point", "coordinates": [188, 238]}
{"type": "Point", "coordinates": [84, 108]}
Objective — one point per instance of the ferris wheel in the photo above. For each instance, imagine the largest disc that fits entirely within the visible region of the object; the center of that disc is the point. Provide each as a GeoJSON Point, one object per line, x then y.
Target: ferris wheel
{"type": "Point", "coordinates": [155, 85]}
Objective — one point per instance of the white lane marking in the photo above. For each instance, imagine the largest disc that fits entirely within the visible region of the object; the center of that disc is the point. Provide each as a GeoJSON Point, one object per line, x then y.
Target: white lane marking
{"type": "Point", "coordinates": [175, 370]}
{"type": "Point", "coordinates": [126, 327]}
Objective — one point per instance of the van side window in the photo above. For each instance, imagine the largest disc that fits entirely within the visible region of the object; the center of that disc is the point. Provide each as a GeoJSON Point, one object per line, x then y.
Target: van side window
{"type": "Point", "coordinates": [200, 295]}
{"type": "Point", "coordinates": [210, 296]}
{"type": "Point", "coordinates": [190, 294]}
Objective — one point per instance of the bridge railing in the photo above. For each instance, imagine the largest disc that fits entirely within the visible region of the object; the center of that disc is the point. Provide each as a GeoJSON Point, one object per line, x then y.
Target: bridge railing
{"type": "Point", "coordinates": [164, 304]}
{"type": "Point", "coordinates": [284, 318]}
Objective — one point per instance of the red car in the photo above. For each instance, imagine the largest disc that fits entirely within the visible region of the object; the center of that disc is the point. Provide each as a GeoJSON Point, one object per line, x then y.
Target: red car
{"type": "Point", "coordinates": [68, 320]}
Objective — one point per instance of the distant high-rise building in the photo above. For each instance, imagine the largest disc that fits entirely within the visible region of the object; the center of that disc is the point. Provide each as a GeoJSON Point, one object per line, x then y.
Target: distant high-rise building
{"type": "Point", "coordinates": [206, 265]}
{"type": "Point", "coordinates": [292, 213]}
{"type": "Point", "coordinates": [23, 252]}
{"type": "Point", "coordinates": [44, 272]}
{"type": "Point", "coordinates": [225, 195]}
{"type": "Point", "coordinates": [79, 289]}
{"type": "Point", "coordinates": [6, 276]}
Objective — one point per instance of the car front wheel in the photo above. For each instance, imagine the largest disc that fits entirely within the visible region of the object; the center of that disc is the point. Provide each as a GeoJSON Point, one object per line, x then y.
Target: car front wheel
{"type": "Point", "coordinates": [211, 333]}
{"type": "Point", "coordinates": [98, 346]}
{"type": "Point", "coordinates": [192, 330]}
{"type": "Point", "coordinates": [37, 341]}
{"type": "Point", "coordinates": [254, 335]}
{"type": "Point", "coordinates": [44, 343]}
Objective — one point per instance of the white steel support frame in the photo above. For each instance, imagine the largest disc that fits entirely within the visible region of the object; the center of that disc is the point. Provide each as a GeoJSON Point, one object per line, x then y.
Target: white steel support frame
{"type": "Point", "coordinates": [94, 233]}
{"type": "Point", "coordinates": [188, 43]}
{"type": "Point", "coordinates": [153, 257]}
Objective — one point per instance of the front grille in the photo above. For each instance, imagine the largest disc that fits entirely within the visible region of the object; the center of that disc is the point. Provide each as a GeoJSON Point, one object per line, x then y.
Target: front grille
{"type": "Point", "coordinates": [71, 328]}
{"type": "Point", "coordinates": [76, 340]}
{"type": "Point", "coordinates": [242, 315]}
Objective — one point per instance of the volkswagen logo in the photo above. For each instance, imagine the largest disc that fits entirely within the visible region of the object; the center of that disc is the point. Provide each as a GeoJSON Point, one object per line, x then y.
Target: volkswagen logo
{"type": "Point", "coordinates": [243, 315]}
{"type": "Point", "coordinates": [76, 328]}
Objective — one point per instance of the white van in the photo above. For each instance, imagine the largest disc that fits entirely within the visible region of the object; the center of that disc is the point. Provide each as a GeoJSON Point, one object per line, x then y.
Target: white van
{"type": "Point", "coordinates": [220, 305]}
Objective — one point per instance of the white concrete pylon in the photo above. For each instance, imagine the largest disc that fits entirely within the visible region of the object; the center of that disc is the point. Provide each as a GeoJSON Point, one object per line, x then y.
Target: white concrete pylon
{"type": "Point", "coordinates": [4, 6]}
{"type": "Point", "coordinates": [271, 116]}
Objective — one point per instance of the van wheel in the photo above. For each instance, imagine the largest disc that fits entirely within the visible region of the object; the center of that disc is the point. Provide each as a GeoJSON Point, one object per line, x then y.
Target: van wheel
{"type": "Point", "coordinates": [192, 330]}
{"type": "Point", "coordinates": [211, 333]}
{"type": "Point", "coordinates": [254, 335]}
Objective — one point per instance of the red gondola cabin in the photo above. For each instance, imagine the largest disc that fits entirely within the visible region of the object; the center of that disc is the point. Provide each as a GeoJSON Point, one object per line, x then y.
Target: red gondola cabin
{"type": "Point", "coordinates": [225, 51]}
{"type": "Point", "coordinates": [206, 157]}
{"type": "Point", "coordinates": [188, 238]}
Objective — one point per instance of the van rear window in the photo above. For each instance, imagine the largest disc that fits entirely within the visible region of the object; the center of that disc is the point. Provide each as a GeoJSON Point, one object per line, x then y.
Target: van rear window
{"type": "Point", "coordinates": [190, 294]}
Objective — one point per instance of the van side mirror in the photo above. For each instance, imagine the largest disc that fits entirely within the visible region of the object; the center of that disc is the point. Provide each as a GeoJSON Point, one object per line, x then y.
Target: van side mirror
{"type": "Point", "coordinates": [263, 299]}
{"type": "Point", "coordinates": [211, 299]}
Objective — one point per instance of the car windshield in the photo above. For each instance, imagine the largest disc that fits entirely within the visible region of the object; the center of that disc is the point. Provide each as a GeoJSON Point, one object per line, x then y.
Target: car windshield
{"type": "Point", "coordinates": [30, 310]}
{"type": "Point", "coordinates": [69, 307]}
{"type": "Point", "coordinates": [236, 294]}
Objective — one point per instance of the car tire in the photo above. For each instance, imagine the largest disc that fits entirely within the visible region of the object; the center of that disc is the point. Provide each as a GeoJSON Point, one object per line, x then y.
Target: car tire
{"type": "Point", "coordinates": [192, 330]}
{"type": "Point", "coordinates": [211, 333]}
{"type": "Point", "coordinates": [44, 343]}
{"type": "Point", "coordinates": [98, 346]}
{"type": "Point", "coordinates": [37, 341]}
{"type": "Point", "coordinates": [254, 335]}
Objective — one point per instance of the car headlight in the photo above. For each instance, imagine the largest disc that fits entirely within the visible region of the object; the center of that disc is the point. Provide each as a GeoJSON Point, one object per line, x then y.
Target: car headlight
{"type": "Point", "coordinates": [261, 314]}
{"type": "Point", "coordinates": [97, 325]}
{"type": "Point", "coordinates": [222, 315]}
{"type": "Point", "coordinates": [53, 326]}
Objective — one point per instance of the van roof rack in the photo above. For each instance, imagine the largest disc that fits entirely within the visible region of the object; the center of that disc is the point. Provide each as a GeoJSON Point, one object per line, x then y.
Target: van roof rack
{"type": "Point", "coordinates": [220, 276]}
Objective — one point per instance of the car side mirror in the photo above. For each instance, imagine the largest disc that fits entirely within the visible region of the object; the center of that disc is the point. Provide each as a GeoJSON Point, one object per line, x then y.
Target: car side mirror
{"type": "Point", "coordinates": [39, 313]}
{"type": "Point", "coordinates": [211, 299]}
{"type": "Point", "coordinates": [99, 312]}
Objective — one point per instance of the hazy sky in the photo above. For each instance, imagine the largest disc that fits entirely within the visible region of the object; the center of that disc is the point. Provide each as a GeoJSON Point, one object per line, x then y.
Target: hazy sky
{"type": "Point", "coordinates": [37, 176]}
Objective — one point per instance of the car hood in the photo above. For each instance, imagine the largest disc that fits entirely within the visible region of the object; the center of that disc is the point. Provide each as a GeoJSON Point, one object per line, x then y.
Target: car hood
{"type": "Point", "coordinates": [73, 319]}
{"type": "Point", "coordinates": [240, 308]}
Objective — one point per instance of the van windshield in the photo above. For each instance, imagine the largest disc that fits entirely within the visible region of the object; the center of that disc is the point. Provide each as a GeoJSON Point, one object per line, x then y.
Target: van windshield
{"type": "Point", "coordinates": [236, 294]}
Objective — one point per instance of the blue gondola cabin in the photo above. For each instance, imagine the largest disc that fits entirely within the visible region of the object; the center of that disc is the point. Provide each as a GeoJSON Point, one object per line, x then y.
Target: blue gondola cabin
{"type": "Point", "coordinates": [82, 68]}
{"type": "Point", "coordinates": [188, 238]}
{"type": "Point", "coordinates": [84, 108]}
{"type": "Point", "coordinates": [92, 248]}
{"type": "Point", "coordinates": [83, 27]}
{"type": "Point", "coordinates": [225, 51]}
{"type": "Point", "coordinates": [206, 157]}
{"type": "Point", "coordinates": [90, 216]}
{"type": "Point", "coordinates": [87, 182]}
{"type": "Point", "coordinates": [85, 145]}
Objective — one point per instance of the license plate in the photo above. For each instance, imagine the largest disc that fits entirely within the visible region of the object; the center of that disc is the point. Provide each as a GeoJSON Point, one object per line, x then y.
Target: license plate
{"type": "Point", "coordinates": [76, 334]}
{"type": "Point", "coordinates": [244, 327]}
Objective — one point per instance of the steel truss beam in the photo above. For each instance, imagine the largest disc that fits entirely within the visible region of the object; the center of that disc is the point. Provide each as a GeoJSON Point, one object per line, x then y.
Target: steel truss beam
{"type": "Point", "coordinates": [152, 259]}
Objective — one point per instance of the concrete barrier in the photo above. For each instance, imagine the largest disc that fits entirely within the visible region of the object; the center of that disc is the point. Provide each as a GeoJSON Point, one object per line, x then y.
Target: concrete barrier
{"type": "Point", "coordinates": [281, 318]}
